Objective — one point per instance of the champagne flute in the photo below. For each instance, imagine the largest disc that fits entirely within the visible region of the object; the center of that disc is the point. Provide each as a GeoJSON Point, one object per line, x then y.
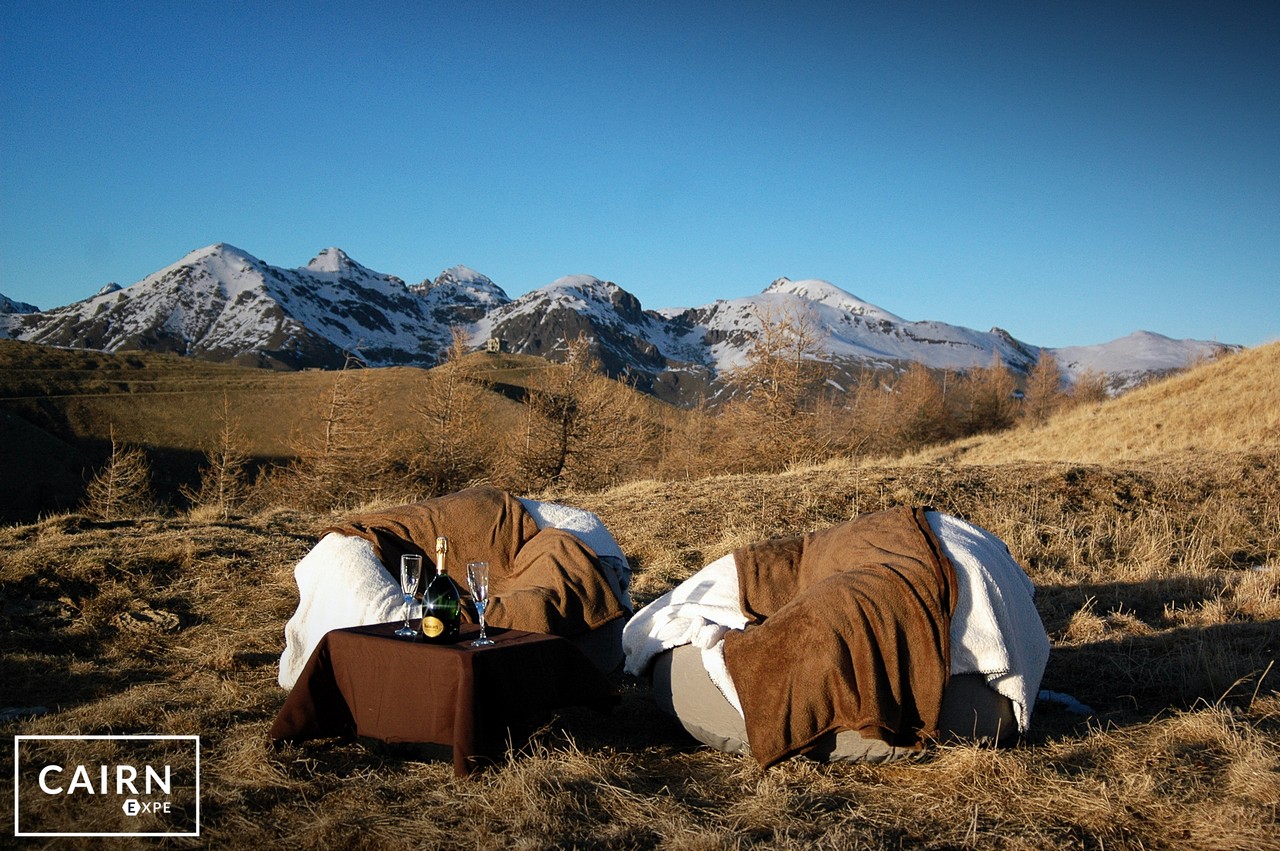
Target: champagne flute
{"type": "Point", "coordinates": [478, 582]}
{"type": "Point", "coordinates": [410, 576]}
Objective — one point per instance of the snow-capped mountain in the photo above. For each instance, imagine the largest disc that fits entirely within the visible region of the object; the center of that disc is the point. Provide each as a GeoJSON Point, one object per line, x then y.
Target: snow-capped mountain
{"type": "Point", "coordinates": [8, 305]}
{"type": "Point", "coordinates": [460, 295]}
{"type": "Point", "coordinates": [850, 329]}
{"type": "Point", "coordinates": [221, 303]}
{"type": "Point", "coordinates": [1129, 361]}
{"type": "Point", "coordinates": [540, 322]}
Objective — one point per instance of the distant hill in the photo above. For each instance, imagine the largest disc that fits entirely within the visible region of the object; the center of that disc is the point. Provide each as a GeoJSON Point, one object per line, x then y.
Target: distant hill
{"type": "Point", "coordinates": [1231, 404]}
{"type": "Point", "coordinates": [222, 304]}
{"type": "Point", "coordinates": [59, 409]}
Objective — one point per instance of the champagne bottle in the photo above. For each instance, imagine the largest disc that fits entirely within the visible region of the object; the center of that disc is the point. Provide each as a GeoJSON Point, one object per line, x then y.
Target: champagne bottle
{"type": "Point", "coordinates": [441, 605]}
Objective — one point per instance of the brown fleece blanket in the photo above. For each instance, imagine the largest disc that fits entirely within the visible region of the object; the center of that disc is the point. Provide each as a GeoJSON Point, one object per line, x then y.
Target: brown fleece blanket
{"type": "Point", "coordinates": [849, 629]}
{"type": "Point", "coordinates": [540, 580]}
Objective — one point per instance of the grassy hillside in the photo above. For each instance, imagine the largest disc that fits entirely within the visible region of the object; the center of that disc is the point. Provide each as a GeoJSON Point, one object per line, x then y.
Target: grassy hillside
{"type": "Point", "coordinates": [1158, 576]}
{"type": "Point", "coordinates": [165, 401]}
{"type": "Point", "coordinates": [1229, 405]}
{"type": "Point", "coordinates": [60, 408]}
{"type": "Point", "coordinates": [1160, 587]}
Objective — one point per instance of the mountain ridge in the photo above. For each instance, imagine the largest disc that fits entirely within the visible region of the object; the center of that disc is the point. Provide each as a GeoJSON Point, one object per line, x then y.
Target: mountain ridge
{"type": "Point", "coordinates": [222, 303]}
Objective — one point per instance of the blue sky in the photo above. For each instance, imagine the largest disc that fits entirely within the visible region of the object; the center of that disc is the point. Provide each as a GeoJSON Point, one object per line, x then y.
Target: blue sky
{"type": "Point", "coordinates": [1068, 171]}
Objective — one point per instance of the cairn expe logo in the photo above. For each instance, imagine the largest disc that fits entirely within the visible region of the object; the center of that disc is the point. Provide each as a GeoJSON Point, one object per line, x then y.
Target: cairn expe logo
{"type": "Point", "coordinates": [127, 785]}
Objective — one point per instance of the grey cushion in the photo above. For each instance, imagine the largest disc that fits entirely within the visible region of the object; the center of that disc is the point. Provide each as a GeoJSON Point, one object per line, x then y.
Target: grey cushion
{"type": "Point", "coordinates": [682, 688]}
{"type": "Point", "coordinates": [973, 711]}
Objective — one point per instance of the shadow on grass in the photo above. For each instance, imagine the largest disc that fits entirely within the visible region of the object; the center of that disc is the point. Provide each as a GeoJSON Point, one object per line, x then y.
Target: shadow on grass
{"type": "Point", "coordinates": [62, 680]}
{"type": "Point", "coordinates": [1145, 674]}
{"type": "Point", "coordinates": [1149, 601]}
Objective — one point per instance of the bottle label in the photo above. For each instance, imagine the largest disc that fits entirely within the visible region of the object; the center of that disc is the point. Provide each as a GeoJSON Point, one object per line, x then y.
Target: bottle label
{"type": "Point", "coordinates": [432, 627]}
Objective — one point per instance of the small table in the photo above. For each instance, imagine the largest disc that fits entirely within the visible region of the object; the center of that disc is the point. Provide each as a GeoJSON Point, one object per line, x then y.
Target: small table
{"type": "Point", "coordinates": [365, 682]}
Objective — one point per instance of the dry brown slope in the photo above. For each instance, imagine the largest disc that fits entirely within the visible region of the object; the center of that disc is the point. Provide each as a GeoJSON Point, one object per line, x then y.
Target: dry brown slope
{"type": "Point", "coordinates": [1228, 405]}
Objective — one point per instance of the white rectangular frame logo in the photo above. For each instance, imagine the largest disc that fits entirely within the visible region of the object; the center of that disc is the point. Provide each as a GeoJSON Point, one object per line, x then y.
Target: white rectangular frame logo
{"type": "Point", "coordinates": [17, 740]}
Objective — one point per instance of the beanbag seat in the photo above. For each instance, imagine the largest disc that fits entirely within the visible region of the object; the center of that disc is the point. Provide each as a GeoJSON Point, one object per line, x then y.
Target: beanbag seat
{"type": "Point", "coordinates": [555, 569]}
{"type": "Point", "coordinates": [971, 711]}
{"type": "Point", "coordinates": [863, 642]}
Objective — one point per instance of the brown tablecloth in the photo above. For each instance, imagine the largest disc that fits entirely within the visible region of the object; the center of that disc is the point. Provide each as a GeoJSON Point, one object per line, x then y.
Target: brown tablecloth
{"type": "Point", "coordinates": [365, 682]}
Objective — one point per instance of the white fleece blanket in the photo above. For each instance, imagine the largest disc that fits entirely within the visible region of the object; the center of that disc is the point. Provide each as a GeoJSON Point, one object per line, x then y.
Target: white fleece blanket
{"type": "Point", "coordinates": [698, 611]}
{"type": "Point", "coordinates": [995, 629]}
{"type": "Point", "coordinates": [342, 583]}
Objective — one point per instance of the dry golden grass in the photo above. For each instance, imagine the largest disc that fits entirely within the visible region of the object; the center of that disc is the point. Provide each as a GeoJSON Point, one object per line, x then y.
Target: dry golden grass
{"type": "Point", "coordinates": [1225, 406]}
{"type": "Point", "coordinates": [176, 403]}
{"type": "Point", "coordinates": [1159, 584]}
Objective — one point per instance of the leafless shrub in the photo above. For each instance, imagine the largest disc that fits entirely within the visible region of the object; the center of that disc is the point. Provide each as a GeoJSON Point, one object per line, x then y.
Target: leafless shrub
{"type": "Point", "coordinates": [908, 414]}
{"type": "Point", "coordinates": [772, 422]}
{"type": "Point", "coordinates": [579, 428]}
{"type": "Point", "coordinates": [1044, 393]}
{"type": "Point", "coordinates": [454, 444]}
{"type": "Point", "coordinates": [984, 399]}
{"type": "Point", "coordinates": [224, 480]}
{"type": "Point", "coordinates": [691, 443]}
{"type": "Point", "coordinates": [1090, 388]}
{"type": "Point", "coordinates": [121, 487]}
{"type": "Point", "coordinates": [348, 454]}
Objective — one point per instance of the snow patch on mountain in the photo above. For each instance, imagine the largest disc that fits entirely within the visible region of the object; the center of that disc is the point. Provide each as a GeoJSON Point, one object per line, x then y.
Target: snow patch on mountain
{"type": "Point", "coordinates": [846, 327]}
{"type": "Point", "coordinates": [825, 292]}
{"type": "Point", "coordinates": [1131, 360]}
{"type": "Point", "coordinates": [334, 261]}
{"type": "Point", "coordinates": [465, 279]}
{"type": "Point", "coordinates": [460, 296]}
{"type": "Point", "coordinates": [1139, 350]}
